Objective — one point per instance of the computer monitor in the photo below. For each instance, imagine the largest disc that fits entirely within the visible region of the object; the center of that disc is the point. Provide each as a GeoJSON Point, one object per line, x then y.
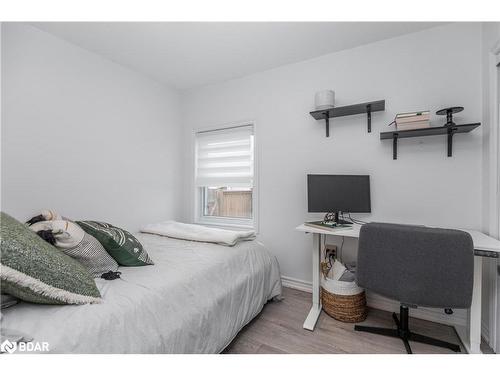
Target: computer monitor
{"type": "Point", "coordinates": [338, 193]}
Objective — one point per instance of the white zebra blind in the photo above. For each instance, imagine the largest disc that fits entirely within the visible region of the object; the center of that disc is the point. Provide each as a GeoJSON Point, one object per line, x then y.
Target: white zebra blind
{"type": "Point", "coordinates": [225, 157]}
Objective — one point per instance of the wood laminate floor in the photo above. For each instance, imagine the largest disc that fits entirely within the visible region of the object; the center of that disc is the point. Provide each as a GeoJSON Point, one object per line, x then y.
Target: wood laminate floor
{"type": "Point", "coordinates": [278, 329]}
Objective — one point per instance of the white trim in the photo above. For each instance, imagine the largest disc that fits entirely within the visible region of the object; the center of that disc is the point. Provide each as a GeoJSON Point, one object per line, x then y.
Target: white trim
{"type": "Point", "coordinates": [197, 218]}
{"type": "Point", "coordinates": [493, 326]}
{"type": "Point", "coordinates": [297, 284]}
{"type": "Point", "coordinates": [376, 301]}
{"type": "Point", "coordinates": [38, 286]}
{"type": "Point", "coordinates": [494, 142]}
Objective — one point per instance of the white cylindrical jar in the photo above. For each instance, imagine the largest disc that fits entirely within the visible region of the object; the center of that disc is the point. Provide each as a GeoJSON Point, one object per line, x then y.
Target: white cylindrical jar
{"type": "Point", "coordinates": [324, 99]}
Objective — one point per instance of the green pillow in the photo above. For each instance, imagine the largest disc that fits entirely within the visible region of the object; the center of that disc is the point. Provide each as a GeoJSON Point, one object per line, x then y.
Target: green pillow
{"type": "Point", "coordinates": [35, 271]}
{"type": "Point", "coordinates": [120, 244]}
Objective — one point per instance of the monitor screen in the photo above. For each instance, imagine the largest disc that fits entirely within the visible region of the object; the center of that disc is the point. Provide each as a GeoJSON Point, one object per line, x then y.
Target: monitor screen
{"type": "Point", "coordinates": [332, 193]}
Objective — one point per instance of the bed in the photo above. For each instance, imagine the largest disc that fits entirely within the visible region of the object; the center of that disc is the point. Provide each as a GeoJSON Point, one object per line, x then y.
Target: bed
{"type": "Point", "coordinates": [195, 299]}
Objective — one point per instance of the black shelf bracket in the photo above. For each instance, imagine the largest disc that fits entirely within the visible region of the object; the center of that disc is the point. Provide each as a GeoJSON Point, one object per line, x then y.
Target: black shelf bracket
{"type": "Point", "coordinates": [448, 130]}
{"type": "Point", "coordinates": [450, 125]}
{"type": "Point", "coordinates": [395, 146]}
{"type": "Point", "coordinates": [369, 117]}
{"type": "Point", "coordinates": [451, 132]}
{"type": "Point", "coordinates": [349, 110]}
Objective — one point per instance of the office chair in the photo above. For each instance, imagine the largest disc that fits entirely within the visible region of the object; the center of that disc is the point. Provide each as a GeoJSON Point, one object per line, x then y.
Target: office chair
{"type": "Point", "coordinates": [417, 266]}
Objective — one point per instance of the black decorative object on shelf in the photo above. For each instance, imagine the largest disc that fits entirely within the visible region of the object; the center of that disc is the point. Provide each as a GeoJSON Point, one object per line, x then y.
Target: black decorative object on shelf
{"type": "Point", "coordinates": [450, 128]}
{"type": "Point", "coordinates": [449, 114]}
{"type": "Point", "coordinates": [349, 110]}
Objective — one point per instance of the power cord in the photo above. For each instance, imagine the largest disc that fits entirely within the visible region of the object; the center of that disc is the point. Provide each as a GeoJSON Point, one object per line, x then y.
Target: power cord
{"type": "Point", "coordinates": [355, 221]}
{"type": "Point", "coordinates": [341, 251]}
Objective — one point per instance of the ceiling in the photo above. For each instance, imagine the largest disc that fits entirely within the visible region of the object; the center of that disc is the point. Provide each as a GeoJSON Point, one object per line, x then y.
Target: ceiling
{"type": "Point", "coordinates": [189, 54]}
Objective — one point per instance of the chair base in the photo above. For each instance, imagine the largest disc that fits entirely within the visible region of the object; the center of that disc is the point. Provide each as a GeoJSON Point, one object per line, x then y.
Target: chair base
{"type": "Point", "coordinates": [403, 332]}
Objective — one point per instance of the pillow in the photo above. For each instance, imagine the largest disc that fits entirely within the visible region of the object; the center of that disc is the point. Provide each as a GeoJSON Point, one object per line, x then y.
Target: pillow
{"type": "Point", "coordinates": [120, 244]}
{"type": "Point", "coordinates": [73, 241]}
{"type": "Point", "coordinates": [35, 271]}
{"type": "Point", "coordinates": [45, 215]}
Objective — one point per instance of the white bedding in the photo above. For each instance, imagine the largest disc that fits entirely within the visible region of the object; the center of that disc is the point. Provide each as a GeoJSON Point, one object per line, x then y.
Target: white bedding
{"type": "Point", "coordinates": [193, 232]}
{"type": "Point", "coordinates": [195, 299]}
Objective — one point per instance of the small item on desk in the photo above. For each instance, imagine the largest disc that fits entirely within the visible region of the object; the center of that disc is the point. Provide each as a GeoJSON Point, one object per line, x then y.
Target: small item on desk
{"type": "Point", "coordinates": [332, 225]}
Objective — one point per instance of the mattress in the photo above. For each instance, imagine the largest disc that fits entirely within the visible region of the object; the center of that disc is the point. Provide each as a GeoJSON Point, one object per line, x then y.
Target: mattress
{"type": "Point", "coordinates": [194, 299]}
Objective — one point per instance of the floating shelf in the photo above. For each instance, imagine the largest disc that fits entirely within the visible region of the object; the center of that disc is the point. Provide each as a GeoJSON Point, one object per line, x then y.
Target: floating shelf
{"type": "Point", "coordinates": [349, 110]}
{"type": "Point", "coordinates": [449, 130]}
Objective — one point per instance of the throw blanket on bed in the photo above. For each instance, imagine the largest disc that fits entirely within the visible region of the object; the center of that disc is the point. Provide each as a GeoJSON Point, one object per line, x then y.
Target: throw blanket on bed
{"type": "Point", "coordinates": [192, 232]}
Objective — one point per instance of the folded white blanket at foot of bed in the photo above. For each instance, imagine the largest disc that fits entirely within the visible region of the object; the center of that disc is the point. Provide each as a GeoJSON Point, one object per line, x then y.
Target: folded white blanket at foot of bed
{"type": "Point", "coordinates": [192, 232]}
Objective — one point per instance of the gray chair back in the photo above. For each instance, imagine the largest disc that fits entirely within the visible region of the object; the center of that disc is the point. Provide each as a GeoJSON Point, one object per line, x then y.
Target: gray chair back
{"type": "Point", "coordinates": [416, 265]}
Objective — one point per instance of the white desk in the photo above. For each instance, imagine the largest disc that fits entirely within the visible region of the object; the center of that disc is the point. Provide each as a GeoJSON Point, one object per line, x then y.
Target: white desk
{"type": "Point", "coordinates": [483, 245]}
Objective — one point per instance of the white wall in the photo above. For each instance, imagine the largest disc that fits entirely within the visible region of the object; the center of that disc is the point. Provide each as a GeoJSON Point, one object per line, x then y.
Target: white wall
{"type": "Point", "coordinates": [431, 69]}
{"type": "Point", "coordinates": [95, 140]}
{"type": "Point", "coordinates": [83, 135]}
{"type": "Point", "coordinates": [490, 37]}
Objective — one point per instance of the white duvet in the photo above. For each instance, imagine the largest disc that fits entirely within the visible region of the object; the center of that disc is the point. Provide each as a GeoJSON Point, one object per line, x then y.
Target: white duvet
{"type": "Point", "coordinates": [195, 299]}
{"type": "Point", "coordinates": [194, 232]}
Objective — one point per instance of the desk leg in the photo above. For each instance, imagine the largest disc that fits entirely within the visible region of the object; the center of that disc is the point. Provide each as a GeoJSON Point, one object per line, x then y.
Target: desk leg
{"type": "Point", "coordinates": [313, 315]}
{"type": "Point", "coordinates": [475, 309]}
{"type": "Point", "coordinates": [471, 335]}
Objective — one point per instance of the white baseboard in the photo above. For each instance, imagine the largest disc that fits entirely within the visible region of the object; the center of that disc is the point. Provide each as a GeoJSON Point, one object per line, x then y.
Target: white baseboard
{"type": "Point", "coordinates": [459, 316]}
{"type": "Point", "coordinates": [297, 284]}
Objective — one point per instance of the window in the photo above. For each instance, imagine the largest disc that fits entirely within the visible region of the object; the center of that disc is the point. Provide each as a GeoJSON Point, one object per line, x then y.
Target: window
{"type": "Point", "coordinates": [224, 176]}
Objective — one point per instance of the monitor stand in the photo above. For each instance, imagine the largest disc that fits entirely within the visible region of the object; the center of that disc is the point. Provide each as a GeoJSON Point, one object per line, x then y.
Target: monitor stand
{"type": "Point", "coordinates": [335, 216]}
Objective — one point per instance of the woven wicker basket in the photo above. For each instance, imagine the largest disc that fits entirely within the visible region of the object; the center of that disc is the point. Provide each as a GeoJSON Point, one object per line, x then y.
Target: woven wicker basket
{"type": "Point", "coordinates": [348, 309]}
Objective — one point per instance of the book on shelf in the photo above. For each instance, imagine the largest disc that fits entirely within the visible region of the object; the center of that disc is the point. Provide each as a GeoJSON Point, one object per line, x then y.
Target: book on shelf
{"type": "Point", "coordinates": [331, 225]}
{"type": "Point", "coordinates": [413, 125]}
{"type": "Point", "coordinates": [412, 120]}
{"type": "Point", "coordinates": [402, 118]}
